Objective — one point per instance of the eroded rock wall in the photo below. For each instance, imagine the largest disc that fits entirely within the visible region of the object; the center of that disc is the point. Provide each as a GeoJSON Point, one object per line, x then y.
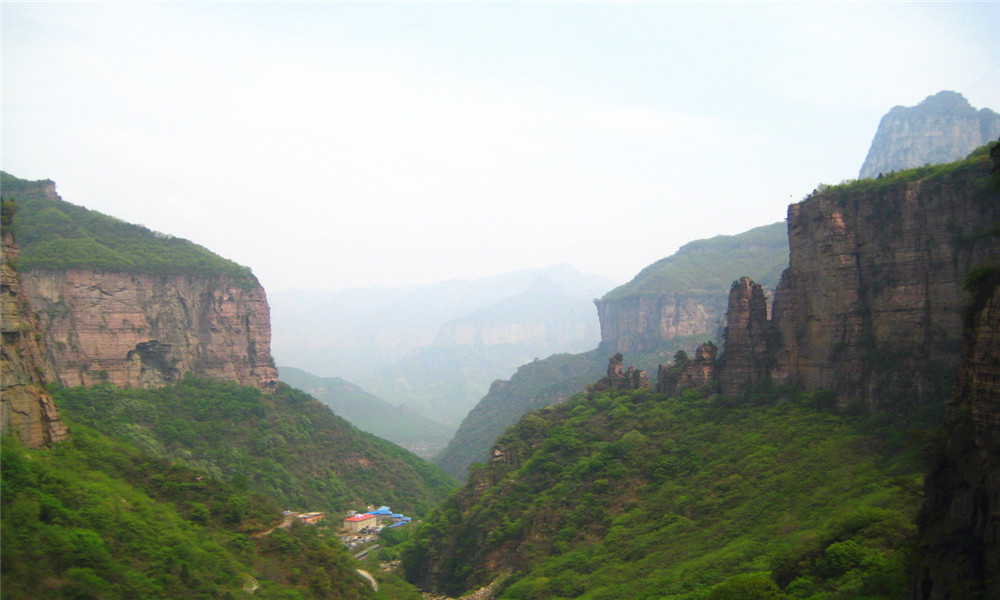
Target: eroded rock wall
{"type": "Point", "coordinates": [870, 304]}
{"type": "Point", "coordinates": [644, 322]}
{"type": "Point", "coordinates": [142, 330]}
{"type": "Point", "coordinates": [26, 410]}
{"type": "Point", "coordinates": [745, 362]}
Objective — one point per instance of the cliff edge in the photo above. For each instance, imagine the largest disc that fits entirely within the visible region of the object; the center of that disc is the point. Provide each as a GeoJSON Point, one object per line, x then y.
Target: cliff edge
{"type": "Point", "coordinates": [119, 303]}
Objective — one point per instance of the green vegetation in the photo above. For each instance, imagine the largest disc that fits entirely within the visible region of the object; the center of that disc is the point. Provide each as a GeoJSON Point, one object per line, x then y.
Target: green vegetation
{"type": "Point", "coordinates": [284, 445]}
{"type": "Point", "coordinates": [635, 495]}
{"type": "Point", "coordinates": [56, 235]}
{"type": "Point", "coordinates": [978, 161]}
{"type": "Point", "coordinates": [93, 518]}
{"type": "Point", "coordinates": [709, 266]}
{"type": "Point", "coordinates": [534, 385]}
{"type": "Point", "coordinates": [370, 413]}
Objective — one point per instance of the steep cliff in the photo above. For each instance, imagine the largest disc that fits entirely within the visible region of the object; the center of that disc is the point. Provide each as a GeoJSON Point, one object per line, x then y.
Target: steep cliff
{"type": "Point", "coordinates": [942, 128]}
{"type": "Point", "coordinates": [960, 521]}
{"type": "Point", "coordinates": [26, 409]}
{"type": "Point", "coordinates": [870, 304]}
{"type": "Point", "coordinates": [747, 337]}
{"type": "Point", "coordinates": [681, 299]}
{"type": "Point", "coordinates": [142, 330]}
{"type": "Point", "coordinates": [117, 302]}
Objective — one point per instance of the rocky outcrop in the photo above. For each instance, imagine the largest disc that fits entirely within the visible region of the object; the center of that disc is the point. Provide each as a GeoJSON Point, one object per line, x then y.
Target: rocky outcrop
{"type": "Point", "coordinates": [683, 296]}
{"type": "Point", "coordinates": [620, 378]}
{"type": "Point", "coordinates": [746, 336]}
{"type": "Point", "coordinates": [960, 521]}
{"type": "Point", "coordinates": [698, 373]}
{"type": "Point", "coordinates": [142, 330]}
{"type": "Point", "coordinates": [870, 305]}
{"type": "Point", "coordinates": [26, 410]}
{"type": "Point", "coordinates": [941, 129]}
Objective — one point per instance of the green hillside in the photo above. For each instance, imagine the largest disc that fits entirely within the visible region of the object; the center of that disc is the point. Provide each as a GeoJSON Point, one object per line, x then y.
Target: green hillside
{"type": "Point", "coordinates": [710, 266]}
{"type": "Point", "coordinates": [534, 385]}
{"type": "Point", "coordinates": [54, 235]}
{"type": "Point", "coordinates": [618, 495]}
{"type": "Point", "coordinates": [419, 434]}
{"type": "Point", "coordinates": [285, 445]}
{"type": "Point", "coordinates": [93, 518]}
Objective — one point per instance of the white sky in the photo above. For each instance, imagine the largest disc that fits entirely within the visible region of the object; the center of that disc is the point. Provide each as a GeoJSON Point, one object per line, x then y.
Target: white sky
{"type": "Point", "coordinates": [337, 145]}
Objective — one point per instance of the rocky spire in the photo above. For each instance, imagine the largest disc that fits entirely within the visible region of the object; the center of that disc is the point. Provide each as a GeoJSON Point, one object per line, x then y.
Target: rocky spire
{"type": "Point", "coordinates": [745, 351]}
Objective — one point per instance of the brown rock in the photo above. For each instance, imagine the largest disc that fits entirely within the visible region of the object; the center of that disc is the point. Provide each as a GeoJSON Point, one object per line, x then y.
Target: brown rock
{"type": "Point", "coordinates": [746, 339]}
{"type": "Point", "coordinates": [141, 330]}
{"type": "Point", "coordinates": [26, 410]}
{"type": "Point", "coordinates": [870, 304]}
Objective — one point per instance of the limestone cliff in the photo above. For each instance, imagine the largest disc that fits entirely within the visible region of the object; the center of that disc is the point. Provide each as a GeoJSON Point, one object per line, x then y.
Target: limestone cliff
{"type": "Point", "coordinates": [681, 299]}
{"type": "Point", "coordinates": [960, 521]}
{"type": "Point", "coordinates": [870, 304]}
{"type": "Point", "coordinates": [747, 334]}
{"type": "Point", "coordinates": [120, 303]}
{"type": "Point", "coordinates": [943, 128]}
{"type": "Point", "coordinates": [26, 410]}
{"type": "Point", "coordinates": [141, 330]}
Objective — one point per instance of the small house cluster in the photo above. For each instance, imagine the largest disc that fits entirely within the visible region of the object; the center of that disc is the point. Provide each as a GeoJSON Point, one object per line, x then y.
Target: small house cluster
{"type": "Point", "coordinates": [374, 520]}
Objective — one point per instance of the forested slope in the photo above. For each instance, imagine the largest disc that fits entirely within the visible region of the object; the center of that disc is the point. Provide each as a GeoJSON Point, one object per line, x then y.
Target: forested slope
{"type": "Point", "coordinates": [636, 495]}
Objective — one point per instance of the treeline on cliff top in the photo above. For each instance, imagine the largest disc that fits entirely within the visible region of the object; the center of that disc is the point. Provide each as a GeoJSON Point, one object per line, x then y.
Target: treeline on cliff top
{"type": "Point", "coordinates": [55, 235]}
{"type": "Point", "coordinates": [637, 495]}
{"type": "Point", "coordinates": [95, 518]}
{"type": "Point", "coordinates": [285, 445]}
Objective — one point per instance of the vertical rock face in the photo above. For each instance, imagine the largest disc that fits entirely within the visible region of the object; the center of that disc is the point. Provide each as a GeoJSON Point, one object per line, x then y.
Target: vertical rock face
{"type": "Point", "coordinates": [642, 323]}
{"type": "Point", "coordinates": [26, 410]}
{"type": "Point", "coordinates": [943, 128]}
{"type": "Point", "coordinates": [960, 520]}
{"type": "Point", "coordinates": [871, 301]}
{"type": "Point", "coordinates": [141, 330]}
{"type": "Point", "coordinates": [746, 338]}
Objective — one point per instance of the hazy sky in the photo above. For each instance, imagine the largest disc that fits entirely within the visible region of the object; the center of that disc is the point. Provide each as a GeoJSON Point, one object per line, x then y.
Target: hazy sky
{"type": "Point", "coordinates": [336, 145]}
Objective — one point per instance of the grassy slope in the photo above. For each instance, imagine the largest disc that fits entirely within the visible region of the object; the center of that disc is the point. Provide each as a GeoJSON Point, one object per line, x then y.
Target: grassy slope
{"type": "Point", "coordinates": [286, 445]}
{"type": "Point", "coordinates": [711, 265]}
{"type": "Point", "coordinates": [640, 496]}
{"type": "Point", "coordinates": [370, 413]}
{"type": "Point", "coordinates": [54, 234]}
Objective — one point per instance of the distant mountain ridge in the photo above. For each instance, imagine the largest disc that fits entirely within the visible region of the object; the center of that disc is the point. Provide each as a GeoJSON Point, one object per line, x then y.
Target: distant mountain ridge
{"type": "Point", "coordinates": [674, 304]}
{"type": "Point", "coordinates": [941, 129]}
{"type": "Point", "coordinates": [418, 434]}
{"type": "Point", "coordinates": [435, 349]}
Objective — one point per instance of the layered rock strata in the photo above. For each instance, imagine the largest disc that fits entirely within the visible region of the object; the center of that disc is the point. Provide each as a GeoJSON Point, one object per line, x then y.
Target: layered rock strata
{"type": "Point", "coordinates": [142, 330]}
{"type": "Point", "coordinates": [26, 410]}
{"type": "Point", "coordinates": [643, 322]}
{"type": "Point", "coordinates": [960, 520]}
{"type": "Point", "coordinates": [870, 304]}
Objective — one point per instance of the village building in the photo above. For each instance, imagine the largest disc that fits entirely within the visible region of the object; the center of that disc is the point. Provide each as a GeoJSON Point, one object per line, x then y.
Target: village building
{"type": "Point", "coordinates": [356, 523]}
{"type": "Point", "coordinates": [310, 518]}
